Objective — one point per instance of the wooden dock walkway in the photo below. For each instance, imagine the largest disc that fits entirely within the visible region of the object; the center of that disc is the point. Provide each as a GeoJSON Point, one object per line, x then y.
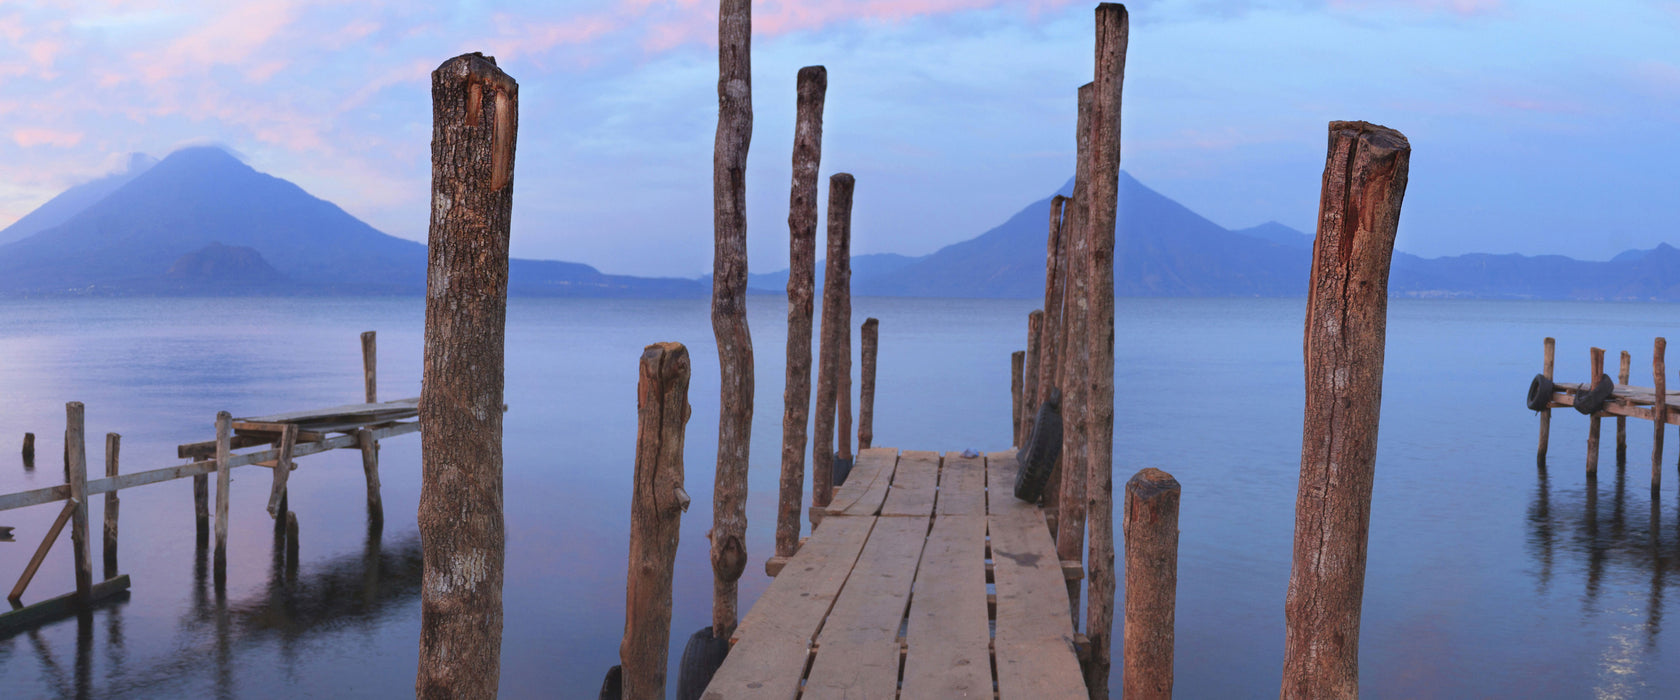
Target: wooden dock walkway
{"type": "Point", "coordinates": [925, 578]}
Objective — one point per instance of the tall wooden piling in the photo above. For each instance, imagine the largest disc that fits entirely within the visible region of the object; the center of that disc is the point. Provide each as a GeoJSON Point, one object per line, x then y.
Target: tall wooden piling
{"type": "Point", "coordinates": [364, 437]}
{"type": "Point", "coordinates": [1621, 421]}
{"type": "Point", "coordinates": [802, 269]}
{"type": "Point", "coordinates": [475, 118]}
{"type": "Point", "coordinates": [1659, 379]}
{"type": "Point", "coordinates": [1030, 395]}
{"type": "Point", "coordinates": [1546, 413]}
{"type": "Point", "coordinates": [866, 393]}
{"type": "Point", "coordinates": [1017, 361]}
{"type": "Point", "coordinates": [1597, 367]}
{"type": "Point", "coordinates": [840, 186]}
{"type": "Point", "coordinates": [113, 446]}
{"type": "Point", "coordinates": [1070, 522]}
{"type": "Point", "coordinates": [29, 450]}
{"type": "Point", "coordinates": [1346, 323]}
{"type": "Point", "coordinates": [1151, 526]}
{"type": "Point", "coordinates": [201, 507]}
{"type": "Point", "coordinates": [224, 481]}
{"type": "Point", "coordinates": [729, 308]}
{"type": "Point", "coordinates": [75, 465]}
{"type": "Point", "coordinates": [1050, 344]}
{"type": "Point", "coordinates": [370, 357]}
{"type": "Point", "coordinates": [1113, 30]}
{"type": "Point", "coordinates": [656, 507]}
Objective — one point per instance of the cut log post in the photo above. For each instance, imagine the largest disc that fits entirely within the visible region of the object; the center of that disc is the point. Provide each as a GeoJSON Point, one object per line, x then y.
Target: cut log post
{"type": "Point", "coordinates": [1050, 344]}
{"type": "Point", "coordinates": [1597, 367]}
{"type": "Point", "coordinates": [224, 481]}
{"type": "Point", "coordinates": [1029, 388]}
{"type": "Point", "coordinates": [29, 450]}
{"type": "Point", "coordinates": [282, 471]}
{"type": "Point", "coordinates": [843, 373]}
{"type": "Point", "coordinates": [475, 118]}
{"type": "Point", "coordinates": [656, 507]}
{"type": "Point", "coordinates": [729, 309]}
{"type": "Point", "coordinates": [1112, 32]}
{"type": "Point", "coordinates": [866, 393]}
{"type": "Point", "coordinates": [1070, 523]}
{"type": "Point", "coordinates": [370, 375]}
{"type": "Point", "coordinates": [1621, 421]}
{"type": "Point", "coordinates": [370, 470]}
{"type": "Point", "coordinates": [113, 446]}
{"type": "Point", "coordinates": [34, 565]}
{"type": "Point", "coordinates": [1017, 361]}
{"type": "Point", "coordinates": [840, 186]}
{"type": "Point", "coordinates": [75, 445]}
{"type": "Point", "coordinates": [201, 507]}
{"type": "Point", "coordinates": [1546, 413]}
{"type": "Point", "coordinates": [812, 87]}
{"type": "Point", "coordinates": [1659, 379]}
{"type": "Point", "coordinates": [1346, 323]}
{"type": "Point", "coordinates": [1151, 524]}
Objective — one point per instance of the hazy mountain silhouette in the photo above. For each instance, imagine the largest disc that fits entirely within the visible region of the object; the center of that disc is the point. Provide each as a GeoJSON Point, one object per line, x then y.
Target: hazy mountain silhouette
{"type": "Point", "coordinates": [128, 240]}
{"type": "Point", "coordinates": [73, 201]}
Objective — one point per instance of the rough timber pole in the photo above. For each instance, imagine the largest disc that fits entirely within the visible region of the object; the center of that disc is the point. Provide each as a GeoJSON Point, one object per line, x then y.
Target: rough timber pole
{"type": "Point", "coordinates": [113, 445]}
{"type": "Point", "coordinates": [1597, 362]}
{"type": "Point", "coordinates": [656, 507]}
{"type": "Point", "coordinates": [802, 270]}
{"type": "Point", "coordinates": [224, 481]}
{"type": "Point", "coordinates": [475, 118]}
{"type": "Point", "coordinates": [1346, 322]}
{"type": "Point", "coordinates": [1112, 33]}
{"type": "Point", "coordinates": [1151, 527]}
{"type": "Point", "coordinates": [1050, 345]}
{"type": "Point", "coordinates": [729, 308]}
{"type": "Point", "coordinates": [840, 187]}
{"type": "Point", "coordinates": [1030, 395]}
{"type": "Point", "coordinates": [1546, 413]}
{"type": "Point", "coordinates": [1070, 523]}
{"type": "Point", "coordinates": [1621, 421]}
{"type": "Point", "coordinates": [866, 393]}
{"type": "Point", "coordinates": [1017, 360]}
{"type": "Point", "coordinates": [843, 372]}
{"type": "Point", "coordinates": [29, 450]}
{"type": "Point", "coordinates": [364, 437]}
{"type": "Point", "coordinates": [1659, 372]}
{"type": "Point", "coordinates": [75, 445]}
{"type": "Point", "coordinates": [370, 356]}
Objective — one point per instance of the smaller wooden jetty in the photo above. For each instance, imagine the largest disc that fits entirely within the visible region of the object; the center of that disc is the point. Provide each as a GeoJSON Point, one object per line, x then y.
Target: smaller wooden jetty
{"type": "Point", "coordinates": [274, 441]}
{"type": "Point", "coordinates": [1601, 397]}
{"type": "Point", "coordinates": [925, 578]}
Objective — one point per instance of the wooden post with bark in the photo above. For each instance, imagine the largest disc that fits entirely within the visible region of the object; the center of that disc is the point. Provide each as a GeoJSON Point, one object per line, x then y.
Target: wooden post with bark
{"type": "Point", "coordinates": [1659, 411]}
{"type": "Point", "coordinates": [729, 309]}
{"type": "Point", "coordinates": [1112, 32]}
{"type": "Point", "coordinates": [1596, 356]}
{"type": "Point", "coordinates": [370, 357]}
{"type": "Point", "coordinates": [1017, 361]}
{"type": "Point", "coordinates": [1621, 421]}
{"type": "Point", "coordinates": [1070, 522]}
{"type": "Point", "coordinates": [364, 437]}
{"type": "Point", "coordinates": [224, 482]}
{"type": "Point", "coordinates": [812, 88]}
{"type": "Point", "coordinates": [840, 186]}
{"type": "Point", "coordinates": [843, 370]}
{"type": "Point", "coordinates": [475, 120]}
{"type": "Point", "coordinates": [866, 393]}
{"type": "Point", "coordinates": [29, 450]}
{"type": "Point", "coordinates": [1151, 525]}
{"type": "Point", "coordinates": [113, 446]}
{"type": "Point", "coordinates": [1050, 345]}
{"type": "Point", "coordinates": [1546, 413]}
{"type": "Point", "coordinates": [656, 506]}
{"type": "Point", "coordinates": [1030, 395]}
{"type": "Point", "coordinates": [75, 465]}
{"type": "Point", "coordinates": [1346, 323]}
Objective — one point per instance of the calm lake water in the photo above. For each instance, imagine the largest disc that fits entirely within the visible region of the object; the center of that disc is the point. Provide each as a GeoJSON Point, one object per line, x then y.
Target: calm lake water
{"type": "Point", "coordinates": [1488, 577]}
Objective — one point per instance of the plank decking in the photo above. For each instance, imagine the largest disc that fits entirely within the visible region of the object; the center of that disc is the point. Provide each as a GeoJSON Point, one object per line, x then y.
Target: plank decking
{"type": "Point", "coordinates": [889, 596]}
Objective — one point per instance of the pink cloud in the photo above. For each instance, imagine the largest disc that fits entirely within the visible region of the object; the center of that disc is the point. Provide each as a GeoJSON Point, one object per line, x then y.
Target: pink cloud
{"type": "Point", "coordinates": [696, 22]}
{"type": "Point", "coordinates": [28, 138]}
{"type": "Point", "coordinates": [1462, 8]}
{"type": "Point", "coordinates": [517, 38]}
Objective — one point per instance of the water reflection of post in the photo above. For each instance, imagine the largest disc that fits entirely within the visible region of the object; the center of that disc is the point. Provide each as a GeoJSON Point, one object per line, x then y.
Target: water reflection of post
{"type": "Point", "coordinates": [1653, 606]}
{"type": "Point", "coordinates": [1595, 549]}
{"type": "Point", "coordinates": [370, 561]}
{"type": "Point", "coordinates": [1541, 518]}
{"type": "Point", "coordinates": [84, 655]}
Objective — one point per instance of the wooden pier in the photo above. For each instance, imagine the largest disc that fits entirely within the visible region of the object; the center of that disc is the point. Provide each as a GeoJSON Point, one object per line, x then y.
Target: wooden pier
{"type": "Point", "coordinates": [1623, 401]}
{"type": "Point", "coordinates": [924, 567]}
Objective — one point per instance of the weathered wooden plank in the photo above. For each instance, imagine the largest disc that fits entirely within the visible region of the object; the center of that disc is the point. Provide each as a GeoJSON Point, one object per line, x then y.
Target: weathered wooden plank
{"type": "Point", "coordinates": [915, 485]}
{"type": "Point", "coordinates": [51, 609]}
{"type": "Point", "coordinates": [857, 653]}
{"type": "Point", "coordinates": [962, 485]}
{"type": "Point", "coordinates": [763, 667]}
{"type": "Point", "coordinates": [282, 470]}
{"type": "Point", "coordinates": [41, 551]}
{"type": "Point", "coordinates": [410, 407]}
{"type": "Point", "coordinates": [1038, 669]}
{"type": "Point", "coordinates": [948, 637]}
{"type": "Point", "coordinates": [1034, 642]}
{"type": "Point", "coordinates": [866, 487]}
{"type": "Point", "coordinates": [207, 448]}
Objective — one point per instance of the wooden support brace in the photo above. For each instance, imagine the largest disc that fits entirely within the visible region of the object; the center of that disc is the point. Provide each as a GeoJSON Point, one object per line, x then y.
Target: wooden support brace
{"type": "Point", "coordinates": [41, 551]}
{"type": "Point", "coordinates": [282, 470]}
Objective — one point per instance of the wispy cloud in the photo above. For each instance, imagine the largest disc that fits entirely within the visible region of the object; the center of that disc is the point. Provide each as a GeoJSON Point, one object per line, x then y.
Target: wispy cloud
{"type": "Point", "coordinates": [1461, 8]}
{"type": "Point", "coordinates": [29, 138]}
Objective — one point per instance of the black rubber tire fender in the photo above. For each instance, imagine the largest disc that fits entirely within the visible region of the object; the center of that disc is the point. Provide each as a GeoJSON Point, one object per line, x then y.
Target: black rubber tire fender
{"type": "Point", "coordinates": [701, 658]}
{"type": "Point", "coordinates": [1039, 455]}
{"type": "Point", "coordinates": [613, 687]}
{"type": "Point", "coordinates": [1540, 393]}
{"type": "Point", "coordinates": [1590, 401]}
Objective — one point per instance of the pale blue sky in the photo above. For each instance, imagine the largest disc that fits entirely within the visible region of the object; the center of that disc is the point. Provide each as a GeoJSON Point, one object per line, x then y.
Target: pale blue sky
{"type": "Point", "coordinates": [1537, 127]}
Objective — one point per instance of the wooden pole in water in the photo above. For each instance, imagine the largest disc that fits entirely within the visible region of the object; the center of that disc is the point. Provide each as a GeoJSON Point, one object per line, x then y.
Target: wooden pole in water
{"type": "Point", "coordinates": [866, 393]}
{"type": "Point", "coordinates": [1050, 345]}
{"type": "Point", "coordinates": [224, 481]}
{"type": "Point", "coordinates": [1597, 367]}
{"type": "Point", "coordinates": [75, 444]}
{"type": "Point", "coordinates": [201, 507]}
{"type": "Point", "coordinates": [1112, 32]}
{"type": "Point", "coordinates": [29, 450]}
{"type": "Point", "coordinates": [1546, 413]}
{"type": "Point", "coordinates": [1659, 379]}
{"type": "Point", "coordinates": [1621, 421]}
{"type": "Point", "coordinates": [843, 373]}
{"type": "Point", "coordinates": [364, 437]}
{"type": "Point", "coordinates": [802, 270]}
{"type": "Point", "coordinates": [1030, 395]}
{"type": "Point", "coordinates": [729, 308]}
{"type": "Point", "coordinates": [370, 356]}
{"type": "Point", "coordinates": [1070, 523]}
{"type": "Point", "coordinates": [656, 506]}
{"type": "Point", "coordinates": [1017, 362]}
{"type": "Point", "coordinates": [1151, 527]}
{"type": "Point", "coordinates": [113, 446]}
{"type": "Point", "coordinates": [475, 120]}
{"type": "Point", "coordinates": [1346, 323]}
{"type": "Point", "coordinates": [840, 186]}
